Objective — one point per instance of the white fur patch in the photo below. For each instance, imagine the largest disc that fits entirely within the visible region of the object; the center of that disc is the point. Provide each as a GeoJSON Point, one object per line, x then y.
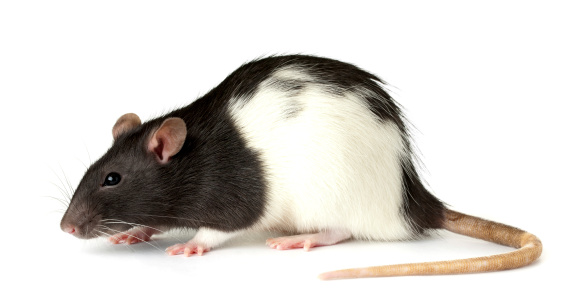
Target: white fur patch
{"type": "Point", "coordinates": [212, 238]}
{"type": "Point", "coordinates": [331, 165]}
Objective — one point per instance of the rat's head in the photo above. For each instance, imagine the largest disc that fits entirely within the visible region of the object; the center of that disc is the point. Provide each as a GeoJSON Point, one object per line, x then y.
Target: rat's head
{"type": "Point", "coordinates": [125, 185]}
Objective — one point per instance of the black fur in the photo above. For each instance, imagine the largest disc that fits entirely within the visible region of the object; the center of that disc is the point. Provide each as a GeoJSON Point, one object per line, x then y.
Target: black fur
{"type": "Point", "coordinates": [216, 181]}
{"type": "Point", "coordinates": [338, 78]}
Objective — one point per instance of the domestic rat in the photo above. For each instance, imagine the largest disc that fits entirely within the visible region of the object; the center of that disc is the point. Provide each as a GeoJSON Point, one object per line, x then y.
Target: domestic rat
{"type": "Point", "coordinates": [300, 144]}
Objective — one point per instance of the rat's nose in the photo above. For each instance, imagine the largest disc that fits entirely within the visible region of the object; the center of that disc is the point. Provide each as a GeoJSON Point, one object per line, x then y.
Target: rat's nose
{"type": "Point", "coordinates": [69, 229]}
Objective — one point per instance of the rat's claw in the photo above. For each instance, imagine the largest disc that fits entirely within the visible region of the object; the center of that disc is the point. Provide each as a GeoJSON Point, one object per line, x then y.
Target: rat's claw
{"type": "Point", "coordinates": [175, 249]}
{"type": "Point", "coordinates": [194, 249]}
{"type": "Point", "coordinates": [200, 250]}
{"type": "Point", "coordinates": [307, 245]}
{"type": "Point", "coordinates": [134, 239]}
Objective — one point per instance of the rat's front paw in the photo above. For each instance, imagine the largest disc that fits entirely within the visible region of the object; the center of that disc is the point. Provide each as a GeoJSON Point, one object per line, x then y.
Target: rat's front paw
{"type": "Point", "coordinates": [191, 247]}
{"type": "Point", "coordinates": [132, 236]}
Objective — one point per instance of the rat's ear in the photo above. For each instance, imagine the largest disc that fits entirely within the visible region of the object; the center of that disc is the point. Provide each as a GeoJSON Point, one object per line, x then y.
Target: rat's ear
{"type": "Point", "coordinates": [168, 139]}
{"type": "Point", "coordinates": [125, 123]}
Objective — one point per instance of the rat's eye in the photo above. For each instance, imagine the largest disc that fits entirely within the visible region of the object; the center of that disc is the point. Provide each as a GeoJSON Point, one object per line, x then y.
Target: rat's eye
{"type": "Point", "coordinates": [112, 179]}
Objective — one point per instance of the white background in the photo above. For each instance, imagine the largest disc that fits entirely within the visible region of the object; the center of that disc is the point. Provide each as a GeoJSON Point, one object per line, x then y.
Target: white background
{"type": "Point", "coordinates": [479, 80]}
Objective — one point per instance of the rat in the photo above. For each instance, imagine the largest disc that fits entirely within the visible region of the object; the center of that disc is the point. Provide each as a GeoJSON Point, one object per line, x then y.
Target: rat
{"type": "Point", "coordinates": [310, 146]}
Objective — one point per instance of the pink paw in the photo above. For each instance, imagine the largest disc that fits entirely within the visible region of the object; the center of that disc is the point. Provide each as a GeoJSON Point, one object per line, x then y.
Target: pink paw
{"type": "Point", "coordinates": [187, 249]}
{"type": "Point", "coordinates": [306, 242]}
{"type": "Point", "coordinates": [132, 236]}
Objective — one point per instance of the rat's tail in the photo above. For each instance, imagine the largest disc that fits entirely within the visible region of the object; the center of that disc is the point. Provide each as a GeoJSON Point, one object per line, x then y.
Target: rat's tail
{"type": "Point", "coordinates": [528, 246]}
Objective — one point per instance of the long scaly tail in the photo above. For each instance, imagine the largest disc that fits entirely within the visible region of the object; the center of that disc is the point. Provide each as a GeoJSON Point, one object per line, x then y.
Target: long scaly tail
{"type": "Point", "coordinates": [528, 246]}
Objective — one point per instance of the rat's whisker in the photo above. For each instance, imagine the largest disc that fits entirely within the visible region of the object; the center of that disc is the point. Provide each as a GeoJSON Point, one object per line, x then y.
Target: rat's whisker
{"type": "Point", "coordinates": [112, 220]}
{"type": "Point", "coordinates": [65, 192]}
{"type": "Point", "coordinates": [83, 164]}
{"type": "Point", "coordinates": [88, 152]}
{"type": "Point", "coordinates": [58, 211]}
{"type": "Point", "coordinates": [174, 217]}
{"type": "Point", "coordinates": [67, 181]}
{"type": "Point", "coordinates": [146, 241]}
{"type": "Point", "coordinates": [64, 202]}
{"type": "Point", "coordinates": [109, 236]}
{"type": "Point", "coordinates": [96, 234]}
{"type": "Point", "coordinates": [117, 221]}
{"type": "Point", "coordinates": [116, 232]}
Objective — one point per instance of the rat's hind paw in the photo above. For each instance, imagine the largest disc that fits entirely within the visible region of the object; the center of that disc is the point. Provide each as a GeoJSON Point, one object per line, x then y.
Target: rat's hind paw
{"type": "Point", "coordinates": [293, 242]}
{"type": "Point", "coordinates": [133, 236]}
{"type": "Point", "coordinates": [307, 241]}
{"type": "Point", "coordinates": [191, 247]}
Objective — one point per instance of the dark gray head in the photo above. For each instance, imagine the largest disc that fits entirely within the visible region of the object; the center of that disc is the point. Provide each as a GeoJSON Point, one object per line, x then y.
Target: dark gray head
{"type": "Point", "coordinates": [127, 185]}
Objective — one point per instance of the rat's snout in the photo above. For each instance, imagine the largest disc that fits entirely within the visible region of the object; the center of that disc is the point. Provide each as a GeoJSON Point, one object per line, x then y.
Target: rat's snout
{"type": "Point", "coordinates": [68, 228]}
{"type": "Point", "coordinates": [66, 225]}
{"type": "Point", "coordinates": [75, 229]}
{"type": "Point", "coordinates": [81, 225]}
